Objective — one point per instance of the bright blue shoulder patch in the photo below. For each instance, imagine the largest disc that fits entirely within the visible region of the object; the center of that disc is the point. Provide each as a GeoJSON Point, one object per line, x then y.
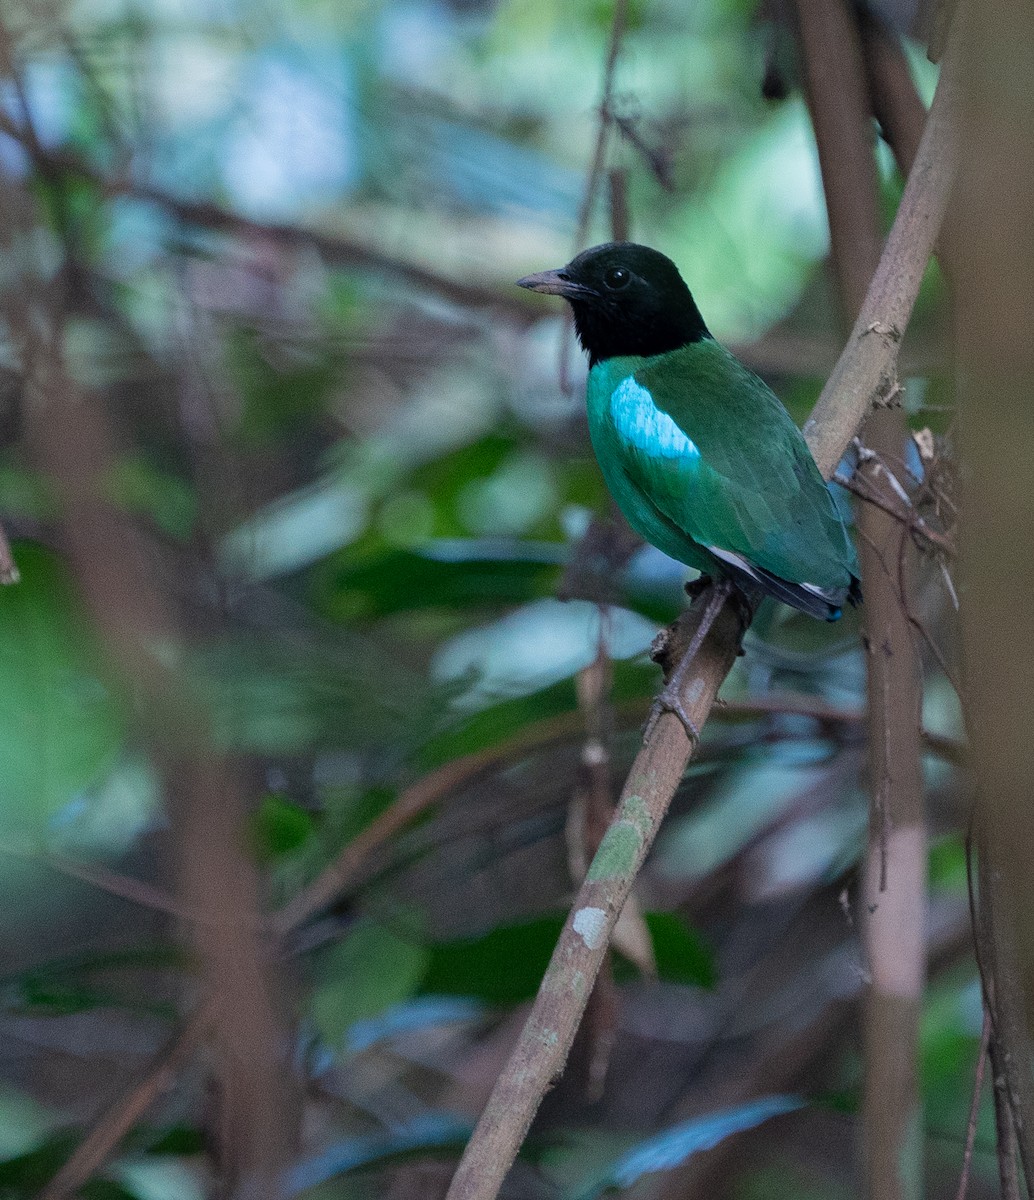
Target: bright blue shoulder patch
{"type": "Point", "coordinates": [639, 421]}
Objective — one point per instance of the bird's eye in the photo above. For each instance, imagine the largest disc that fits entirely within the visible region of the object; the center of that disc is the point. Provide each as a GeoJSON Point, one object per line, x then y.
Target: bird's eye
{"type": "Point", "coordinates": [617, 278]}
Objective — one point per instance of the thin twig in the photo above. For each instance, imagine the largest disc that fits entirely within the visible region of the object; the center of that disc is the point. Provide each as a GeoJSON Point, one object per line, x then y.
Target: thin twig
{"type": "Point", "coordinates": [9, 572]}
{"type": "Point", "coordinates": [863, 489]}
{"type": "Point", "coordinates": [980, 917]}
{"type": "Point", "coordinates": [974, 1109]}
{"type": "Point", "coordinates": [1004, 989]}
{"type": "Point", "coordinates": [95, 1149]}
{"type": "Point", "coordinates": [896, 103]}
{"type": "Point", "coordinates": [592, 809]}
{"type": "Point", "coordinates": [337, 249]}
{"type": "Point", "coordinates": [136, 891]}
{"type": "Point", "coordinates": [1005, 1130]}
{"type": "Point", "coordinates": [595, 173]}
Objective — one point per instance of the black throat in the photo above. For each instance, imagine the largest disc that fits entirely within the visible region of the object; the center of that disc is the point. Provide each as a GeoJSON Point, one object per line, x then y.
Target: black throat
{"type": "Point", "coordinates": [608, 332]}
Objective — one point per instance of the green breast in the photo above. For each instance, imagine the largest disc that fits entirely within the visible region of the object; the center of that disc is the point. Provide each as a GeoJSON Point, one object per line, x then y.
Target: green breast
{"type": "Point", "coordinates": [625, 425]}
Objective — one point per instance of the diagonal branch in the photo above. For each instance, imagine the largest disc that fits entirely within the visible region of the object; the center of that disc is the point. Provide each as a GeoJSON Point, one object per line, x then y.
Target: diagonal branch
{"type": "Point", "coordinates": [859, 381]}
{"type": "Point", "coordinates": [338, 249]}
{"type": "Point", "coordinates": [95, 1149]}
{"type": "Point", "coordinates": [865, 375]}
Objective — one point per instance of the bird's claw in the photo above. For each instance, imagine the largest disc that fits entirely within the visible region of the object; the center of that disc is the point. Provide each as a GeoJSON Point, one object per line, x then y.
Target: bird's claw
{"type": "Point", "coordinates": [669, 700]}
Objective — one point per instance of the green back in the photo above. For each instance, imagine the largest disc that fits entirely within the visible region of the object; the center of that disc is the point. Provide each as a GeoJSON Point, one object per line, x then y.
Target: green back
{"type": "Point", "coordinates": [752, 486]}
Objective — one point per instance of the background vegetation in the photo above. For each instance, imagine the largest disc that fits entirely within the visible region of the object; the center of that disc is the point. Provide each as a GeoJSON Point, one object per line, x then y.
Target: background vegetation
{"type": "Point", "coordinates": [328, 656]}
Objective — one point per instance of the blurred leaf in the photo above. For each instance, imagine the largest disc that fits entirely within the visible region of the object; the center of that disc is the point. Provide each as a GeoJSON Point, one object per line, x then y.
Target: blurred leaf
{"type": "Point", "coordinates": [948, 864]}
{"type": "Point", "coordinates": [160, 1179]}
{"type": "Point", "coordinates": [790, 1179]}
{"type": "Point", "coordinates": [350, 810]}
{"type": "Point", "coordinates": [499, 723]}
{"type": "Point", "coordinates": [24, 493]}
{"type": "Point", "coordinates": [283, 386]}
{"type": "Point", "coordinates": [365, 973]}
{"type": "Point", "coordinates": [534, 646]}
{"type": "Point", "coordinates": [448, 476]}
{"type": "Point", "coordinates": [280, 826]}
{"type": "Point", "coordinates": [949, 1044]}
{"type": "Point", "coordinates": [68, 985]}
{"type": "Point", "coordinates": [287, 691]}
{"type": "Point", "coordinates": [680, 952]}
{"type": "Point", "coordinates": [296, 530]}
{"type": "Point", "coordinates": [58, 998]}
{"type": "Point", "coordinates": [422, 1012]}
{"type": "Point", "coordinates": [432, 1131]}
{"type": "Point", "coordinates": [108, 821]}
{"type": "Point", "coordinates": [142, 488]}
{"type": "Point", "coordinates": [634, 680]}
{"type": "Point", "coordinates": [179, 1140]}
{"type": "Point", "coordinates": [23, 1123]}
{"type": "Point", "coordinates": [504, 966]}
{"type": "Point", "coordinates": [450, 574]}
{"type": "Point", "coordinates": [27, 1174]}
{"type": "Point", "coordinates": [673, 1146]}
{"type": "Point", "coordinates": [62, 728]}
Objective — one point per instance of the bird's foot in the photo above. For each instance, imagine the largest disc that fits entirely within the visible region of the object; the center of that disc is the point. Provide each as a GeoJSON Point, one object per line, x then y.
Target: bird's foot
{"type": "Point", "coordinates": [744, 608]}
{"type": "Point", "coordinates": [670, 700]}
{"type": "Point", "coordinates": [697, 587]}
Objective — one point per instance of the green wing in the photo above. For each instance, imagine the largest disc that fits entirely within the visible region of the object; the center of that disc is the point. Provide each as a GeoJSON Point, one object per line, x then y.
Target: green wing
{"type": "Point", "coordinates": [752, 488]}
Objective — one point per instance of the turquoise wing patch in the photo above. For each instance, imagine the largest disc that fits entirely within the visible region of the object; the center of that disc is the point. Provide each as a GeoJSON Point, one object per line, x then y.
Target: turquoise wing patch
{"type": "Point", "coordinates": [650, 429]}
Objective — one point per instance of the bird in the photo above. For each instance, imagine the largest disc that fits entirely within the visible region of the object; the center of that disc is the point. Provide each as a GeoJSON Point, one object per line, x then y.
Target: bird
{"type": "Point", "coordinates": [699, 453]}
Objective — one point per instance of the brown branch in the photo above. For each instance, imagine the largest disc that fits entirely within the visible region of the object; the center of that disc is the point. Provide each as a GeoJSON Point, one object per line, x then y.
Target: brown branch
{"type": "Point", "coordinates": [894, 875]}
{"type": "Point", "coordinates": [865, 373]}
{"type": "Point", "coordinates": [617, 33]}
{"type": "Point", "coordinates": [995, 303]}
{"type": "Point", "coordinates": [95, 1149]}
{"type": "Point", "coordinates": [896, 104]}
{"type": "Point", "coordinates": [838, 103]}
{"type": "Point", "coordinates": [1005, 1131]}
{"type": "Point", "coordinates": [1004, 997]}
{"type": "Point", "coordinates": [545, 1041]}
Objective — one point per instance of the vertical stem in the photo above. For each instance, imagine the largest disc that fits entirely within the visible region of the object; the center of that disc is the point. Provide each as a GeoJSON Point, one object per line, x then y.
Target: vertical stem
{"type": "Point", "coordinates": [995, 310]}
{"type": "Point", "coordinates": [1005, 1131]}
{"type": "Point", "coordinates": [1004, 995]}
{"type": "Point", "coordinates": [894, 876]}
{"type": "Point", "coordinates": [994, 246]}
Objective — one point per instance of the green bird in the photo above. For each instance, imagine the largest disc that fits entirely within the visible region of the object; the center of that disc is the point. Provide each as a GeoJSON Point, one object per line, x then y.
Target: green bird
{"type": "Point", "coordinates": [699, 453]}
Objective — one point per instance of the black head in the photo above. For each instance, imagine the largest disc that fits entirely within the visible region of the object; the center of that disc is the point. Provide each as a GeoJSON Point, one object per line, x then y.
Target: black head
{"type": "Point", "coordinates": [626, 298]}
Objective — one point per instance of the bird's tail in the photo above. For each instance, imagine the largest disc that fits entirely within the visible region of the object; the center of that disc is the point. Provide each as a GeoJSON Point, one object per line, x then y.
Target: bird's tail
{"type": "Point", "coordinates": [824, 603]}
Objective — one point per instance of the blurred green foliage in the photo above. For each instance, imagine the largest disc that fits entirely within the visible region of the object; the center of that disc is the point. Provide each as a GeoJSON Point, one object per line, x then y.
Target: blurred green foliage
{"type": "Point", "coordinates": [362, 490]}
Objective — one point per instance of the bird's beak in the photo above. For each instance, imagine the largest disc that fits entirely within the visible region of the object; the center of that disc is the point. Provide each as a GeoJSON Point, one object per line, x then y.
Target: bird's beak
{"type": "Point", "coordinates": [555, 283]}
